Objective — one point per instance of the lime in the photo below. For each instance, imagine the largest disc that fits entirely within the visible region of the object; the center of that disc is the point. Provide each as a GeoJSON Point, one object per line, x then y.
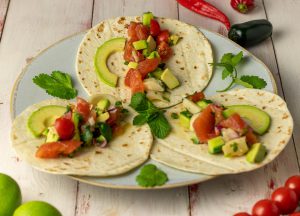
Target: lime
{"type": "Point", "coordinates": [10, 195]}
{"type": "Point", "coordinates": [36, 208]}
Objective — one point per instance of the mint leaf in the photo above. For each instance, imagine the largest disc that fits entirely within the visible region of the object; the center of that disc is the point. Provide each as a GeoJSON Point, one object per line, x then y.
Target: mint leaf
{"type": "Point", "coordinates": [151, 176]}
{"type": "Point", "coordinates": [140, 119]}
{"type": "Point", "coordinates": [58, 84]}
{"type": "Point", "coordinates": [255, 81]}
{"type": "Point", "coordinates": [160, 126]}
{"type": "Point", "coordinates": [226, 58]}
{"type": "Point", "coordinates": [139, 102]}
{"type": "Point", "coordinates": [242, 83]}
{"type": "Point", "coordinates": [225, 73]}
{"type": "Point", "coordinates": [235, 60]}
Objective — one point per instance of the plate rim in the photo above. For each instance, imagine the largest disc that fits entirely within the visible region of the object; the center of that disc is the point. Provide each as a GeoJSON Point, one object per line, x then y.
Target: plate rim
{"type": "Point", "coordinates": [120, 186]}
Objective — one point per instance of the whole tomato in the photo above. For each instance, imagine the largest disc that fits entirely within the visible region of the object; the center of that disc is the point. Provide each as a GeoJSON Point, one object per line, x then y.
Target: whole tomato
{"type": "Point", "coordinates": [295, 214]}
{"type": "Point", "coordinates": [265, 208]}
{"type": "Point", "coordinates": [294, 184]}
{"type": "Point", "coordinates": [286, 200]}
{"type": "Point", "coordinates": [242, 214]}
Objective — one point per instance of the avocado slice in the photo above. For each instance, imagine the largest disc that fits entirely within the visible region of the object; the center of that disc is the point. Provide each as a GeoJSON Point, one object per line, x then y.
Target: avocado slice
{"type": "Point", "coordinates": [257, 153]}
{"type": "Point", "coordinates": [174, 39]}
{"type": "Point", "coordinates": [103, 104]}
{"type": "Point", "coordinates": [156, 74]}
{"type": "Point", "coordinates": [102, 54]}
{"type": "Point", "coordinates": [76, 118]}
{"type": "Point", "coordinates": [153, 55]}
{"type": "Point", "coordinates": [140, 44]}
{"type": "Point", "coordinates": [43, 118]}
{"type": "Point", "coordinates": [203, 103]}
{"type": "Point", "coordinates": [185, 118]}
{"type": "Point", "coordinates": [257, 119]}
{"type": "Point", "coordinates": [52, 135]}
{"type": "Point", "coordinates": [215, 145]}
{"type": "Point", "coordinates": [133, 65]}
{"type": "Point", "coordinates": [169, 79]}
{"type": "Point", "coordinates": [103, 117]}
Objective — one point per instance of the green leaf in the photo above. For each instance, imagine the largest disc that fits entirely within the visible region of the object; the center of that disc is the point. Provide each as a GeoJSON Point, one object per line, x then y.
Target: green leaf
{"type": "Point", "coordinates": [139, 102]}
{"type": "Point", "coordinates": [242, 83]}
{"type": "Point", "coordinates": [225, 73]}
{"type": "Point", "coordinates": [140, 119]}
{"type": "Point", "coordinates": [151, 176]}
{"type": "Point", "coordinates": [226, 58]}
{"type": "Point", "coordinates": [255, 81]}
{"type": "Point", "coordinates": [160, 126]}
{"type": "Point", "coordinates": [106, 131]}
{"type": "Point", "coordinates": [57, 84]}
{"type": "Point", "coordinates": [235, 60]}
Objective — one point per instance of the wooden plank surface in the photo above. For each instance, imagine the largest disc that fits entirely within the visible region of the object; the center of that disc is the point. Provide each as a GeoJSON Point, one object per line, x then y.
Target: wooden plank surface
{"type": "Point", "coordinates": [100, 201]}
{"type": "Point", "coordinates": [32, 25]}
{"type": "Point", "coordinates": [240, 192]}
{"type": "Point", "coordinates": [3, 10]}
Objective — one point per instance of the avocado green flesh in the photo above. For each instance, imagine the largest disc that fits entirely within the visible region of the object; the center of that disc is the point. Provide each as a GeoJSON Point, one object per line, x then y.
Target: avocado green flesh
{"type": "Point", "coordinates": [257, 119]}
{"type": "Point", "coordinates": [257, 153]}
{"type": "Point", "coordinates": [102, 54]}
{"type": "Point", "coordinates": [44, 117]}
{"type": "Point", "coordinates": [215, 145]}
{"type": "Point", "coordinates": [184, 120]}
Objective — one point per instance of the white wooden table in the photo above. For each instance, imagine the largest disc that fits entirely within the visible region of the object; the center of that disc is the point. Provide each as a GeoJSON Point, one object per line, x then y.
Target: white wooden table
{"type": "Point", "coordinates": [30, 25]}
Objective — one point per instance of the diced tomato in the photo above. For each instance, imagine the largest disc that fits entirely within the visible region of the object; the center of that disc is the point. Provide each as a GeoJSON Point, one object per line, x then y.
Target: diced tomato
{"type": "Point", "coordinates": [251, 138]}
{"type": "Point", "coordinates": [142, 31]}
{"type": "Point", "coordinates": [134, 81]}
{"type": "Point", "coordinates": [147, 66]}
{"type": "Point", "coordinates": [164, 51]}
{"type": "Point", "coordinates": [132, 36]}
{"type": "Point", "coordinates": [204, 125]}
{"type": "Point", "coordinates": [56, 149]}
{"type": "Point", "coordinates": [128, 51]}
{"type": "Point", "coordinates": [64, 127]}
{"type": "Point", "coordinates": [83, 108]}
{"type": "Point", "coordinates": [197, 96]}
{"type": "Point", "coordinates": [218, 112]}
{"type": "Point", "coordinates": [114, 115]}
{"type": "Point", "coordinates": [163, 36]}
{"type": "Point", "coordinates": [236, 123]}
{"type": "Point", "coordinates": [154, 28]}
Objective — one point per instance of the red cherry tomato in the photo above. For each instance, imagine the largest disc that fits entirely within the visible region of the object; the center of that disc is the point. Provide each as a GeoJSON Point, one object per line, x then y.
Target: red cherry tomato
{"type": "Point", "coordinates": [163, 36]}
{"type": "Point", "coordinates": [65, 128]}
{"type": "Point", "coordinates": [265, 208]}
{"type": "Point", "coordinates": [286, 200]}
{"type": "Point", "coordinates": [294, 184]}
{"type": "Point", "coordinates": [295, 214]}
{"type": "Point", "coordinates": [55, 149]}
{"type": "Point", "coordinates": [164, 51]}
{"type": "Point", "coordinates": [154, 28]}
{"type": "Point", "coordinates": [242, 214]}
{"type": "Point", "coordinates": [134, 81]}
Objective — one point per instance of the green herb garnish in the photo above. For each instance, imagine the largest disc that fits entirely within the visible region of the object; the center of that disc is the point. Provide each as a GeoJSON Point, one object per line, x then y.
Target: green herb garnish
{"type": "Point", "coordinates": [151, 176]}
{"type": "Point", "coordinates": [118, 103]}
{"type": "Point", "coordinates": [105, 130]}
{"type": "Point", "coordinates": [234, 147]}
{"type": "Point", "coordinates": [174, 116]}
{"type": "Point", "coordinates": [58, 84]}
{"type": "Point", "coordinates": [148, 113]}
{"type": "Point", "coordinates": [229, 62]}
{"type": "Point", "coordinates": [86, 135]}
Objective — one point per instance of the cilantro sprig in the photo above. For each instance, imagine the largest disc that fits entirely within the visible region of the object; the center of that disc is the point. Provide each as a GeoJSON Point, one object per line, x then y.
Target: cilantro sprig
{"type": "Point", "coordinates": [148, 113]}
{"type": "Point", "coordinates": [151, 176]}
{"type": "Point", "coordinates": [58, 84]}
{"type": "Point", "coordinates": [229, 62]}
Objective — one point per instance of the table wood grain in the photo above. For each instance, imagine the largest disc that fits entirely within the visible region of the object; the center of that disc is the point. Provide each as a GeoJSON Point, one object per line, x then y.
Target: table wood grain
{"type": "Point", "coordinates": [29, 26]}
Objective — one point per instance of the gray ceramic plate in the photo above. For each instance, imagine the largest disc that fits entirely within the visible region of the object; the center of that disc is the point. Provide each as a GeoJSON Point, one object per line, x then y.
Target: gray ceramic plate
{"type": "Point", "coordinates": [61, 56]}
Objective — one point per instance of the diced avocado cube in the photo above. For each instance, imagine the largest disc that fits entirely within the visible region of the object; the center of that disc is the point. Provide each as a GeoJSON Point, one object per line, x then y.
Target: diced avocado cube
{"type": "Point", "coordinates": [157, 73]}
{"type": "Point", "coordinates": [140, 44]}
{"type": "Point", "coordinates": [146, 52]}
{"type": "Point", "coordinates": [203, 103]}
{"type": "Point", "coordinates": [153, 55]}
{"type": "Point", "coordinates": [101, 138]}
{"type": "Point", "coordinates": [169, 79]}
{"type": "Point", "coordinates": [147, 17]}
{"type": "Point", "coordinates": [103, 117]}
{"type": "Point", "coordinates": [215, 145]}
{"type": "Point", "coordinates": [103, 104]}
{"type": "Point", "coordinates": [133, 65]}
{"type": "Point", "coordinates": [184, 120]}
{"type": "Point", "coordinates": [257, 153]}
{"type": "Point", "coordinates": [52, 135]}
{"type": "Point", "coordinates": [190, 106]}
{"type": "Point", "coordinates": [151, 44]}
{"type": "Point", "coordinates": [236, 147]}
{"type": "Point", "coordinates": [195, 140]}
{"type": "Point", "coordinates": [174, 39]}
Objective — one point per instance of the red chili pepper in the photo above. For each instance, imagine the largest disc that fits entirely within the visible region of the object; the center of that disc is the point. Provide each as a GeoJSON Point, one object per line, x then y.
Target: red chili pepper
{"type": "Point", "coordinates": [242, 6]}
{"type": "Point", "coordinates": [206, 9]}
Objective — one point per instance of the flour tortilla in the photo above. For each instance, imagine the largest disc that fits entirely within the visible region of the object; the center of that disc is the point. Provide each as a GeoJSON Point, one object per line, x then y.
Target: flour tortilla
{"type": "Point", "coordinates": [122, 154]}
{"type": "Point", "coordinates": [190, 63]}
{"type": "Point", "coordinates": [178, 151]}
